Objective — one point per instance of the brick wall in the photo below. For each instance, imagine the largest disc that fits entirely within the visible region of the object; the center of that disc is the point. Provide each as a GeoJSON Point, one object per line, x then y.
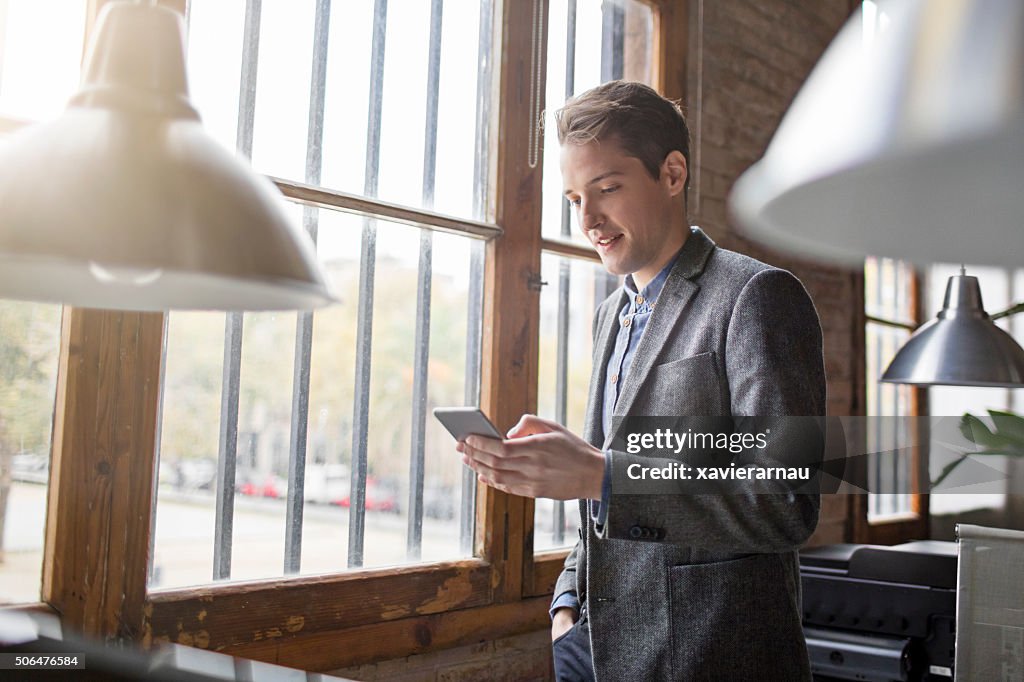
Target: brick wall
{"type": "Point", "coordinates": [754, 56]}
{"type": "Point", "coordinates": [745, 67]}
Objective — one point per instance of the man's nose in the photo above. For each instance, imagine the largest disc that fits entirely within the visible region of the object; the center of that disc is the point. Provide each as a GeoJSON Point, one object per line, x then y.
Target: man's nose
{"type": "Point", "coordinates": [590, 217]}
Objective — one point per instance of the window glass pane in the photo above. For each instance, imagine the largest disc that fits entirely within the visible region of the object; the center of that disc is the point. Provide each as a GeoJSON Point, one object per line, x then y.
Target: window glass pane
{"type": "Point", "coordinates": [887, 473]}
{"type": "Point", "coordinates": [888, 295]}
{"type": "Point", "coordinates": [996, 293]}
{"type": "Point", "coordinates": [40, 56]}
{"type": "Point", "coordinates": [29, 347]}
{"type": "Point", "coordinates": [567, 304]}
{"type": "Point", "coordinates": [605, 40]}
{"type": "Point", "coordinates": [888, 289]}
{"type": "Point", "coordinates": [214, 64]}
{"type": "Point", "coordinates": [186, 508]}
{"type": "Point", "coordinates": [285, 54]}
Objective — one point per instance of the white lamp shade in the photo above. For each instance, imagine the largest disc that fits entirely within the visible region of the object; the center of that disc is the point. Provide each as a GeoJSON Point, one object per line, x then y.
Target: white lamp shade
{"type": "Point", "coordinates": [912, 148]}
{"type": "Point", "coordinates": [124, 201]}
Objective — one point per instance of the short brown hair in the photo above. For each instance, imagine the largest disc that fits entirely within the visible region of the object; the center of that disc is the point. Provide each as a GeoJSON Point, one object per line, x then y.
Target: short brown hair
{"type": "Point", "coordinates": [646, 125]}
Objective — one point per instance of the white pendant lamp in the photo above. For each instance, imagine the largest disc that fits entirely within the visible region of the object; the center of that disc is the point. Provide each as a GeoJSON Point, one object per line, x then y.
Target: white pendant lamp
{"type": "Point", "coordinates": [125, 202]}
{"type": "Point", "coordinates": [911, 148]}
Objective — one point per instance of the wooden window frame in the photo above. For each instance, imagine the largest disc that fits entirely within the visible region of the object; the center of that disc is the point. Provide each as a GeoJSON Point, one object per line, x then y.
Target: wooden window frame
{"type": "Point", "coordinates": [103, 477]}
{"type": "Point", "coordinates": [914, 525]}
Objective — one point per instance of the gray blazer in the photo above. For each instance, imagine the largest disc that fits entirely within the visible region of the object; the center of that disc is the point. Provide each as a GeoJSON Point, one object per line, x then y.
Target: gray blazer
{"type": "Point", "coordinates": [711, 589]}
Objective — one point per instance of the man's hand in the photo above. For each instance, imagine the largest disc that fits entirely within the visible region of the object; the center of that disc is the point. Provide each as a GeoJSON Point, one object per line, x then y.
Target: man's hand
{"type": "Point", "coordinates": [564, 619]}
{"type": "Point", "coordinates": [541, 458]}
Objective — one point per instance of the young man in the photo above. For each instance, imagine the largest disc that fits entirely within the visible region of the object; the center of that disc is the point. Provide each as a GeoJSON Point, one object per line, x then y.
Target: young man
{"type": "Point", "coordinates": [683, 586]}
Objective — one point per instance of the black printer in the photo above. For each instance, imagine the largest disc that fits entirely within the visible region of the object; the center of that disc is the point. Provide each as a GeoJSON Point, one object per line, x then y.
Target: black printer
{"type": "Point", "coordinates": [877, 613]}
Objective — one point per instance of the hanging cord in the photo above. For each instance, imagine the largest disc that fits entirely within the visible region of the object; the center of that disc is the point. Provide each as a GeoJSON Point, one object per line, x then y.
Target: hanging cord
{"type": "Point", "coordinates": [535, 83]}
{"type": "Point", "coordinates": [696, 170]}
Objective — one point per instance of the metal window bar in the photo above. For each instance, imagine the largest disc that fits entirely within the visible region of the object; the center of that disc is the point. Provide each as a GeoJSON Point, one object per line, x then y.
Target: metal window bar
{"type": "Point", "coordinates": [228, 447]}
{"type": "Point", "coordinates": [562, 351]}
{"type": "Point", "coordinates": [367, 266]}
{"type": "Point", "coordinates": [304, 323]}
{"type": "Point", "coordinates": [613, 39]}
{"type": "Point", "coordinates": [474, 312]}
{"type": "Point", "coordinates": [613, 36]}
{"type": "Point", "coordinates": [414, 535]}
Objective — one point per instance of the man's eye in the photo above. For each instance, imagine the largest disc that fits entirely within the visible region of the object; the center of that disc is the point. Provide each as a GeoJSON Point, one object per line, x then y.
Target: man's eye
{"type": "Point", "coordinates": [609, 190]}
{"type": "Point", "coordinates": [574, 202]}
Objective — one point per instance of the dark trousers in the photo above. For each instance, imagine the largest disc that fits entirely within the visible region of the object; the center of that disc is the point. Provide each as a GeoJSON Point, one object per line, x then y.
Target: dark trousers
{"type": "Point", "coordinates": [571, 652]}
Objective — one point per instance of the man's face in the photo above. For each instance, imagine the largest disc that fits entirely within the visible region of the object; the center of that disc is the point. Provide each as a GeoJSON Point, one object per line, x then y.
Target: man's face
{"type": "Point", "coordinates": [625, 213]}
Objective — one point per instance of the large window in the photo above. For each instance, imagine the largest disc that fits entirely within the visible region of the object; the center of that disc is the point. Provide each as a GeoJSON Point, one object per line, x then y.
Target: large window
{"type": "Point", "coordinates": [29, 340]}
{"type": "Point", "coordinates": [892, 313]}
{"type": "Point", "coordinates": [40, 54]}
{"type": "Point", "coordinates": [304, 443]}
{"type": "Point", "coordinates": [890, 304]}
{"type": "Point", "coordinates": [206, 465]}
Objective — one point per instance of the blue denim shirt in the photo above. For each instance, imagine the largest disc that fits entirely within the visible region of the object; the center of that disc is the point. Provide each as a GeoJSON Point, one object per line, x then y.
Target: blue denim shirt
{"type": "Point", "coordinates": [633, 318]}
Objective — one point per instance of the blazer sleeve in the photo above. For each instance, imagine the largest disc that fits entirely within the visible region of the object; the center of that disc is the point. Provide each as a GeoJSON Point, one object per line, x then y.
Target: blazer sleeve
{"type": "Point", "coordinates": [774, 367]}
{"type": "Point", "coordinates": [567, 579]}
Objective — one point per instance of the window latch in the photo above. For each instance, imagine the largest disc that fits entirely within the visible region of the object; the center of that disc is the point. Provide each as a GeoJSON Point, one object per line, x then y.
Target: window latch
{"type": "Point", "coordinates": [535, 282]}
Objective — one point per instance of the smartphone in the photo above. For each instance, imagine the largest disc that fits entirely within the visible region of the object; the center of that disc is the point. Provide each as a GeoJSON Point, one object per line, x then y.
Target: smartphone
{"type": "Point", "coordinates": [466, 421]}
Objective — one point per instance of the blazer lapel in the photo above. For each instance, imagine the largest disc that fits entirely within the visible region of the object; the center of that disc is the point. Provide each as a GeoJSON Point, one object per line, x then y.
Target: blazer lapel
{"type": "Point", "coordinates": [675, 296]}
{"type": "Point", "coordinates": [593, 431]}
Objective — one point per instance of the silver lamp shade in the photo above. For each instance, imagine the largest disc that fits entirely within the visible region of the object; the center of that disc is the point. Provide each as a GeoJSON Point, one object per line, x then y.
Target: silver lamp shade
{"type": "Point", "coordinates": [892, 149]}
{"type": "Point", "coordinates": [124, 201]}
{"type": "Point", "coordinates": [962, 347]}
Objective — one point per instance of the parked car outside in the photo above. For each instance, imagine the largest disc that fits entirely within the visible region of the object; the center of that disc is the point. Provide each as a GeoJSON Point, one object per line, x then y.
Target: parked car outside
{"type": "Point", "coordinates": [380, 496]}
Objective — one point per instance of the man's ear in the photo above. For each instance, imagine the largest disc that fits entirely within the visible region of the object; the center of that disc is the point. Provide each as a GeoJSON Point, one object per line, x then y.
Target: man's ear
{"type": "Point", "coordinates": [674, 171]}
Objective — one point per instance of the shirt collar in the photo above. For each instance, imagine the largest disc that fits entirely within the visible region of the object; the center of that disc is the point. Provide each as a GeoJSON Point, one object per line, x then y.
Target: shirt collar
{"type": "Point", "coordinates": [653, 289]}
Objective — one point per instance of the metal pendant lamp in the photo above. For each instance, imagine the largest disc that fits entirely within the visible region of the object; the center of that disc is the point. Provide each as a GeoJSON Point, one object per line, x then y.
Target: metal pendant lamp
{"type": "Point", "coordinates": [911, 148]}
{"type": "Point", "coordinates": [125, 202]}
{"type": "Point", "coordinates": [961, 347]}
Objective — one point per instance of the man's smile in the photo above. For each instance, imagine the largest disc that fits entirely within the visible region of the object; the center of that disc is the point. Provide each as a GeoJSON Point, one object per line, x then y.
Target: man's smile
{"type": "Point", "coordinates": [607, 242]}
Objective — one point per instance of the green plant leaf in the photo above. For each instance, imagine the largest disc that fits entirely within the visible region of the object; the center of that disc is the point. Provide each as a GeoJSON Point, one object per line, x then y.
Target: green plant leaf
{"type": "Point", "coordinates": [1009, 425]}
{"type": "Point", "coordinates": [977, 432]}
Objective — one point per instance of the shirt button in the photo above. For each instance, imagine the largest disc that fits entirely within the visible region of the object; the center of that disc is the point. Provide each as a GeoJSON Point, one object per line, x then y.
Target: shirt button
{"type": "Point", "coordinates": [627, 322]}
{"type": "Point", "coordinates": [615, 378]}
{"type": "Point", "coordinates": [639, 300]}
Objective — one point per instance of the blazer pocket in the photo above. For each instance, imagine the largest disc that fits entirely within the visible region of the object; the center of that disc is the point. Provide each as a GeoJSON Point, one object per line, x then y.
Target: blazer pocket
{"type": "Point", "coordinates": [736, 618]}
{"type": "Point", "coordinates": [689, 386]}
